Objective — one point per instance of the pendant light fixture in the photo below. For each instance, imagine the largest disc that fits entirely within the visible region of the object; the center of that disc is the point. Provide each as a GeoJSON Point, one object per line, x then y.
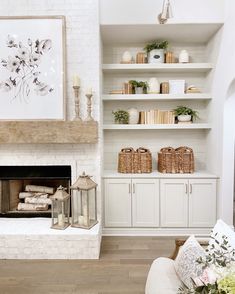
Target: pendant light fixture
{"type": "Point", "coordinates": [166, 12]}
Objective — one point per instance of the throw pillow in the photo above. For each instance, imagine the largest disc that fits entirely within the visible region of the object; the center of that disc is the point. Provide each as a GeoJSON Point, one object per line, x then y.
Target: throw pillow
{"type": "Point", "coordinates": [222, 229]}
{"type": "Point", "coordinates": [185, 264]}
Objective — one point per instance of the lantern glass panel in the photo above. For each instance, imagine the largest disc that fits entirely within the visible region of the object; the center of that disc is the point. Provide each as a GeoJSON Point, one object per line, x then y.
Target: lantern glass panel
{"type": "Point", "coordinates": [60, 214]}
{"type": "Point", "coordinates": [84, 212]}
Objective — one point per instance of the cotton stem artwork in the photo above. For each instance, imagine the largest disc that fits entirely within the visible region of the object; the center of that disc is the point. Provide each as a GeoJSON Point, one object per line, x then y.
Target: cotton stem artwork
{"type": "Point", "coordinates": [31, 69]}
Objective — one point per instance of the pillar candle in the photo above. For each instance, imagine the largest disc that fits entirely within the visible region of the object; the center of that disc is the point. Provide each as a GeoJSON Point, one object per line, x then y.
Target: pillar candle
{"type": "Point", "coordinates": [76, 81]}
{"type": "Point", "coordinates": [89, 91]}
{"type": "Point", "coordinates": [61, 220]}
{"type": "Point", "coordinates": [81, 220]}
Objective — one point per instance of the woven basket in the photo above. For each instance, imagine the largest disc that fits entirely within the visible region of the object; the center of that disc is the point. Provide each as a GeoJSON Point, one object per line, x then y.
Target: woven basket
{"type": "Point", "coordinates": [185, 158]}
{"type": "Point", "coordinates": [142, 161]}
{"type": "Point", "coordinates": [166, 161]}
{"type": "Point", "coordinates": [180, 160]}
{"type": "Point", "coordinates": [136, 162]}
{"type": "Point", "coordinates": [125, 160]}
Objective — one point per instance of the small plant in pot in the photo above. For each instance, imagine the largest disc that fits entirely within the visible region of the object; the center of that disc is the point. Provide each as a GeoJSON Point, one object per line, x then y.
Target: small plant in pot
{"type": "Point", "coordinates": [185, 114]}
{"type": "Point", "coordinates": [139, 87]}
{"type": "Point", "coordinates": [156, 51]}
{"type": "Point", "coordinates": [121, 116]}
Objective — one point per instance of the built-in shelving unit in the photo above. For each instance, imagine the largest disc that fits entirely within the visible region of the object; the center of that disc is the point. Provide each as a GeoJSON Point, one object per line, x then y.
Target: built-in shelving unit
{"type": "Point", "coordinates": [158, 203]}
{"type": "Point", "coordinates": [198, 39]}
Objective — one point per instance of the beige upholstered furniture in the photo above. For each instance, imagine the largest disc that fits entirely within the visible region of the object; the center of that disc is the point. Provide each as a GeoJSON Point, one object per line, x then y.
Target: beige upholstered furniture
{"type": "Point", "coordinates": [162, 278]}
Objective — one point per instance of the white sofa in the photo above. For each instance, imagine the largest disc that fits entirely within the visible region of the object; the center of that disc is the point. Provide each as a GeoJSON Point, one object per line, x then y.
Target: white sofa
{"type": "Point", "coordinates": [162, 278]}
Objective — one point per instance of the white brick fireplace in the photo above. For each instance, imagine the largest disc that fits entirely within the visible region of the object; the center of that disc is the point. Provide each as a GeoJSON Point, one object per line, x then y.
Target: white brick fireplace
{"type": "Point", "coordinates": [83, 57]}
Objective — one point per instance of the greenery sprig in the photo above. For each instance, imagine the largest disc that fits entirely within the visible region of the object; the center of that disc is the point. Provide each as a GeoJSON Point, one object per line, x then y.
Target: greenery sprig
{"type": "Point", "coordinates": [183, 110]}
{"type": "Point", "coordinates": [121, 116]}
{"type": "Point", "coordinates": [156, 45]}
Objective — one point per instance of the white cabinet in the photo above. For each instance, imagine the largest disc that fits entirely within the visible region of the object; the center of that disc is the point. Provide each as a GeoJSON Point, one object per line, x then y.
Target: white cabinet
{"type": "Point", "coordinates": [202, 203]}
{"type": "Point", "coordinates": [174, 203]}
{"type": "Point", "coordinates": [131, 202]}
{"type": "Point", "coordinates": [117, 203]}
{"type": "Point", "coordinates": [145, 202]}
{"type": "Point", "coordinates": [188, 203]}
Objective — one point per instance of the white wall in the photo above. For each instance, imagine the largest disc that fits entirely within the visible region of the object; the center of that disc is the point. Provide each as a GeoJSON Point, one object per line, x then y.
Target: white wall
{"type": "Point", "coordinates": [221, 139]}
{"type": "Point", "coordinates": [146, 11]}
{"type": "Point", "coordinates": [83, 55]}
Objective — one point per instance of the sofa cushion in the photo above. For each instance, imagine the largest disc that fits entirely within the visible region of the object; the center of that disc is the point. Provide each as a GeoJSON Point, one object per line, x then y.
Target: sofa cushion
{"type": "Point", "coordinates": [185, 264]}
{"type": "Point", "coordinates": [162, 278]}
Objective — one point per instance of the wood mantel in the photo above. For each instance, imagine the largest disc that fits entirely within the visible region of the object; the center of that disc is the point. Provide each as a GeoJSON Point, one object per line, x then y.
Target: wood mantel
{"type": "Point", "coordinates": [48, 132]}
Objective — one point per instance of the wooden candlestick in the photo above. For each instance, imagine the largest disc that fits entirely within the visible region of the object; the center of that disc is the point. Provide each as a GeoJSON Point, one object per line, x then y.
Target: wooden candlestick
{"type": "Point", "coordinates": [77, 103]}
{"type": "Point", "coordinates": [89, 117]}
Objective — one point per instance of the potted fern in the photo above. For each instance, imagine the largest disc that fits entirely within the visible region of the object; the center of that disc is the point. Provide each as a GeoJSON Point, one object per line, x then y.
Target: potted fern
{"type": "Point", "coordinates": [139, 86]}
{"type": "Point", "coordinates": [156, 51]}
{"type": "Point", "coordinates": [121, 116]}
{"type": "Point", "coordinates": [185, 114]}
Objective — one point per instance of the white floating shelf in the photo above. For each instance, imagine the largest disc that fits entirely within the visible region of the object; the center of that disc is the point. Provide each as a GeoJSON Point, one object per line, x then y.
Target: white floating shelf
{"type": "Point", "coordinates": [157, 127]}
{"type": "Point", "coordinates": [156, 97]}
{"type": "Point", "coordinates": [161, 67]}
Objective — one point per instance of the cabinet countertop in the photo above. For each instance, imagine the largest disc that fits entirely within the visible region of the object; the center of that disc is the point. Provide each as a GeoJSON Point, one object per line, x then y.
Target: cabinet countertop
{"type": "Point", "coordinates": [155, 174]}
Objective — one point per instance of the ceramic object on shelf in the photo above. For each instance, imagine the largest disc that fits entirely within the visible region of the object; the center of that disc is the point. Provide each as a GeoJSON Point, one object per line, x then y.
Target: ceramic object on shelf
{"type": "Point", "coordinates": [156, 56]}
{"type": "Point", "coordinates": [153, 86]}
{"type": "Point", "coordinates": [126, 57]}
{"type": "Point", "coordinates": [184, 56]}
{"type": "Point", "coordinates": [133, 116]}
{"type": "Point", "coordinates": [184, 118]}
{"type": "Point", "coordinates": [139, 90]}
{"type": "Point", "coordinates": [176, 86]}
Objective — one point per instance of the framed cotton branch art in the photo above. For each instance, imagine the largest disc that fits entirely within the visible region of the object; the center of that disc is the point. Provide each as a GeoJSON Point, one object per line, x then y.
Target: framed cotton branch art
{"type": "Point", "coordinates": [32, 68]}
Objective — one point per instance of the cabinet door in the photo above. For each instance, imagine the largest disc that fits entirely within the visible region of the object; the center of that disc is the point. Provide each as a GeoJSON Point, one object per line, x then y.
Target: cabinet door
{"type": "Point", "coordinates": [145, 202]}
{"type": "Point", "coordinates": [117, 203]}
{"type": "Point", "coordinates": [202, 203]}
{"type": "Point", "coordinates": [174, 203]}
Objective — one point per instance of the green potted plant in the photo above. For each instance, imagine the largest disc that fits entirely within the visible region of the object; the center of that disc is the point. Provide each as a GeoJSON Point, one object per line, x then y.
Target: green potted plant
{"type": "Point", "coordinates": [185, 114]}
{"type": "Point", "coordinates": [139, 86]}
{"type": "Point", "coordinates": [121, 116]}
{"type": "Point", "coordinates": [156, 51]}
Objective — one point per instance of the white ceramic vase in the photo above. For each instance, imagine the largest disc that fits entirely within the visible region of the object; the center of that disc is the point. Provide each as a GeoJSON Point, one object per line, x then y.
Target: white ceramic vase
{"type": "Point", "coordinates": [184, 118]}
{"type": "Point", "coordinates": [153, 86]}
{"type": "Point", "coordinates": [133, 116]}
{"type": "Point", "coordinates": [126, 57]}
{"type": "Point", "coordinates": [184, 56]}
{"type": "Point", "coordinates": [156, 56]}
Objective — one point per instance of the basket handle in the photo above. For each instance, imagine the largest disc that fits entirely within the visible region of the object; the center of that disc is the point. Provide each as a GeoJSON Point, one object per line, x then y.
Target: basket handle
{"type": "Point", "coordinates": [184, 149]}
{"type": "Point", "coordinates": [168, 149]}
{"type": "Point", "coordinates": [143, 150]}
{"type": "Point", "coordinates": [127, 150]}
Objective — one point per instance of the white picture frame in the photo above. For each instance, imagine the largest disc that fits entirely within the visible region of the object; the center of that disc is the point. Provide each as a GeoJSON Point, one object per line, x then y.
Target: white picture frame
{"type": "Point", "coordinates": [32, 68]}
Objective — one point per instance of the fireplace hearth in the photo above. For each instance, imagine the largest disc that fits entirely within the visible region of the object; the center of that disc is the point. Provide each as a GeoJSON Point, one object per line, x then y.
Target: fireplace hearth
{"type": "Point", "coordinates": [16, 180]}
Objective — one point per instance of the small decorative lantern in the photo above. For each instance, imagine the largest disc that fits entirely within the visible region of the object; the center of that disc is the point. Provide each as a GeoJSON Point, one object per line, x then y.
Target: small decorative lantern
{"type": "Point", "coordinates": [84, 202]}
{"type": "Point", "coordinates": [60, 209]}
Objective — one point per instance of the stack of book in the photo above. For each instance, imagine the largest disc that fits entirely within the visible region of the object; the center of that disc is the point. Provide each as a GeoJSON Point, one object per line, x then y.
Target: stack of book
{"type": "Point", "coordinates": [156, 116]}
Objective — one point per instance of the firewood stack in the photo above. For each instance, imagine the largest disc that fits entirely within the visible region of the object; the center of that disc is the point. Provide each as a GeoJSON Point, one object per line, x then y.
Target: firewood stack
{"type": "Point", "coordinates": [35, 198]}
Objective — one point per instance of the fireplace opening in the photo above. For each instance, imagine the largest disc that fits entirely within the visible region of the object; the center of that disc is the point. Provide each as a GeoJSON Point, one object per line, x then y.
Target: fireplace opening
{"type": "Point", "coordinates": [25, 190]}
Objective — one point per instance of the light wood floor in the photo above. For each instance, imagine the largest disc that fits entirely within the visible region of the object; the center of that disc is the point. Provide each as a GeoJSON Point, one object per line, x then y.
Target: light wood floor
{"type": "Point", "coordinates": [122, 269]}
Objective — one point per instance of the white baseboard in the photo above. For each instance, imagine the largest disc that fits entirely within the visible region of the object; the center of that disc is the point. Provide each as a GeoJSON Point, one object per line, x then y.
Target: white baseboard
{"type": "Point", "coordinates": [199, 232]}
